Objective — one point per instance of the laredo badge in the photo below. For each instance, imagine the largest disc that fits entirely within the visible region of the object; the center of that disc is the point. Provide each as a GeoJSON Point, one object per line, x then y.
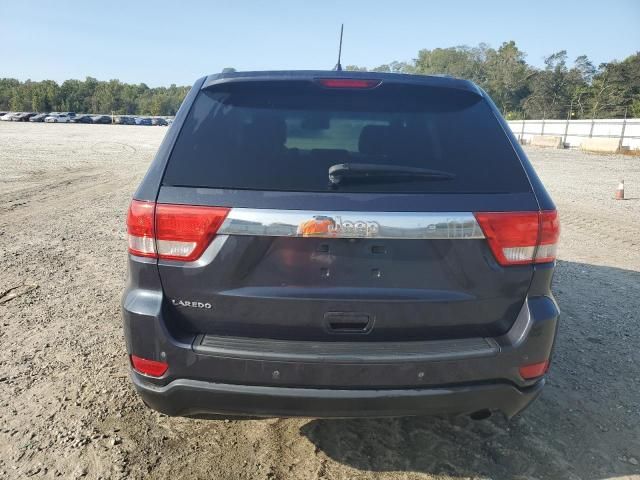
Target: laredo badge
{"type": "Point", "coordinates": [191, 304]}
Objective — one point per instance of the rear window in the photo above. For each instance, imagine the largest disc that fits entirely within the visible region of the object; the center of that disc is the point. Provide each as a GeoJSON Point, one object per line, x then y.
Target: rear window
{"type": "Point", "coordinates": [285, 136]}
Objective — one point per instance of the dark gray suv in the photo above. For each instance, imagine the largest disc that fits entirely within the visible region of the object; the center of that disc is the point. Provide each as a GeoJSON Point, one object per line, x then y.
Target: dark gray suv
{"type": "Point", "coordinates": [339, 244]}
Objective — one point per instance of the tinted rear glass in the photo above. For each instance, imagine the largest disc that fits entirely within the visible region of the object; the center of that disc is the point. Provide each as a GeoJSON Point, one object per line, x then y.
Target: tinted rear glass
{"type": "Point", "coordinates": [286, 136]}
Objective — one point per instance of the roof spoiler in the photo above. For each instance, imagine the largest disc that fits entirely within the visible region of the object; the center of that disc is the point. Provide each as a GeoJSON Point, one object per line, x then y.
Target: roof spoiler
{"type": "Point", "coordinates": [314, 75]}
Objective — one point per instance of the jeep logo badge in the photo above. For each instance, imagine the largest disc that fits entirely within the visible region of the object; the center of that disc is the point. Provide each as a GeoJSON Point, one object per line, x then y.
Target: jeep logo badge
{"type": "Point", "coordinates": [356, 228]}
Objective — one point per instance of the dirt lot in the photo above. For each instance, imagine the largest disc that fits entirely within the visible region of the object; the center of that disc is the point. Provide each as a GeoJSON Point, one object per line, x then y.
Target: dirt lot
{"type": "Point", "coordinates": [67, 408]}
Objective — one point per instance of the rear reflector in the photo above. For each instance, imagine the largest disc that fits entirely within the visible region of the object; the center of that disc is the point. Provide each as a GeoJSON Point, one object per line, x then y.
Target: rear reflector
{"type": "Point", "coordinates": [348, 83]}
{"type": "Point", "coordinates": [148, 367]}
{"type": "Point", "coordinates": [518, 238]}
{"type": "Point", "coordinates": [534, 370]}
{"type": "Point", "coordinates": [172, 232]}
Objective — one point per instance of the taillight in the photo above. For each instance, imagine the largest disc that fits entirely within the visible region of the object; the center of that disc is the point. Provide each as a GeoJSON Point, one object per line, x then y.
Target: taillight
{"type": "Point", "coordinates": [140, 228]}
{"type": "Point", "coordinates": [518, 238]}
{"type": "Point", "coordinates": [183, 232]}
{"type": "Point", "coordinates": [549, 236]}
{"type": "Point", "coordinates": [153, 368]}
{"type": "Point", "coordinates": [348, 83]}
{"type": "Point", "coordinates": [172, 232]}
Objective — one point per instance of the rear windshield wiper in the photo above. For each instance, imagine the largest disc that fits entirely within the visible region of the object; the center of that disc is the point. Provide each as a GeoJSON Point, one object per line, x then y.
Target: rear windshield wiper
{"type": "Point", "coordinates": [376, 172]}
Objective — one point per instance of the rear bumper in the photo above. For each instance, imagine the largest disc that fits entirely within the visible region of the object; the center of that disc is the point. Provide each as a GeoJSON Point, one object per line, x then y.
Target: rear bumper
{"type": "Point", "coordinates": [198, 398]}
{"type": "Point", "coordinates": [240, 378]}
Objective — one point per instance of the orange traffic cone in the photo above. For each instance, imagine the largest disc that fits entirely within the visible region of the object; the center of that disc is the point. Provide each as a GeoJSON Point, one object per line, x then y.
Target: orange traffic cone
{"type": "Point", "coordinates": [620, 191]}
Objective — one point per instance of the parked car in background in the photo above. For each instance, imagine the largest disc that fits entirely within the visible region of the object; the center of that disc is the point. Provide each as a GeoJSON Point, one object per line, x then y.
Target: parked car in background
{"type": "Point", "coordinates": [102, 119]}
{"type": "Point", "coordinates": [39, 117]}
{"type": "Point", "coordinates": [2, 114]}
{"type": "Point", "coordinates": [82, 118]}
{"type": "Point", "coordinates": [17, 116]}
{"type": "Point", "coordinates": [143, 121]}
{"type": "Point", "coordinates": [58, 118]}
{"type": "Point", "coordinates": [124, 120]}
{"type": "Point", "coordinates": [23, 116]}
{"type": "Point", "coordinates": [159, 121]}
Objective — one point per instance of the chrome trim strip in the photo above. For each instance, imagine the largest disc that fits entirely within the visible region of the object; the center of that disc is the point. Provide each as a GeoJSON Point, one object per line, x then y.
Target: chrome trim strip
{"type": "Point", "coordinates": [350, 224]}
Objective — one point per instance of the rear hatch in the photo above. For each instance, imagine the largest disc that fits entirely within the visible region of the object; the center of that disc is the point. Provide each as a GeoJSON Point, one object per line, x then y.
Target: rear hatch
{"type": "Point", "coordinates": [377, 254]}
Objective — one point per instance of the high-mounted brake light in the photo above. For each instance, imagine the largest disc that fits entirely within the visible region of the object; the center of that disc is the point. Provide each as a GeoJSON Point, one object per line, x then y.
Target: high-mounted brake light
{"type": "Point", "coordinates": [172, 232]}
{"type": "Point", "coordinates": [348, 83]}
{"type": "Point", "coordinates": [518, 238]}
{"type": "Point", "coordinates": [152, 368]}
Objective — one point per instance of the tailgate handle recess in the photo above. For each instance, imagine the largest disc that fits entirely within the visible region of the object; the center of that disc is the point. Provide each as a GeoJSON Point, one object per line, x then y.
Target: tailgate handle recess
{"type": "Point", "coordinates": [347, 322]}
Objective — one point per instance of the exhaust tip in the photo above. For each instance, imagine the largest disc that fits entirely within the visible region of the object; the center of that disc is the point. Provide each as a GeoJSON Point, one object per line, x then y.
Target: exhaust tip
{"type": "Point", "coordinates": [480, 414]}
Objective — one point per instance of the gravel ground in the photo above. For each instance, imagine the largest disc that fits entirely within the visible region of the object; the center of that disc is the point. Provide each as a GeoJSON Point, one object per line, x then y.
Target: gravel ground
{"type": "Point", "coordinates": [68, 410]}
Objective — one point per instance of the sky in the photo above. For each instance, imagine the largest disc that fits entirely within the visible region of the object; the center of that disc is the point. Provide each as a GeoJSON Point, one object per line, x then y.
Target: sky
{"type": "Point", "coordinates": [161, 42]}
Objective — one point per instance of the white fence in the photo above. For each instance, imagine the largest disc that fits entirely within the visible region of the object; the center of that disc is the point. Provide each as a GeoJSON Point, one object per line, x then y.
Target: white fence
{"type": "Point", "coordinates": [573, 132]}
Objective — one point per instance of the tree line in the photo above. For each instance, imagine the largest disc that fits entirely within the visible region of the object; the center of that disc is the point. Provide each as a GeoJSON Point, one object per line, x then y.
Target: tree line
{"type": "Point", "coordinates": [557, 90]}
{"type": "Point", "coordinates": [89, 96]}
{"type": "Point", "coordinates": [560, 89]}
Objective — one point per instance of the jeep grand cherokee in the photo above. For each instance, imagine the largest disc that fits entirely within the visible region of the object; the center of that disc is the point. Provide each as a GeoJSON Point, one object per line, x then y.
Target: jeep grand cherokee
{"type": "Point", "coordinates": [339, 244]}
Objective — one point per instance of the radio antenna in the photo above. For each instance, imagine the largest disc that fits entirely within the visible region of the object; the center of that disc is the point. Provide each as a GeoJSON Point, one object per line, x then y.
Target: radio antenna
{"type": "Point", "coordinates": [338, 66]}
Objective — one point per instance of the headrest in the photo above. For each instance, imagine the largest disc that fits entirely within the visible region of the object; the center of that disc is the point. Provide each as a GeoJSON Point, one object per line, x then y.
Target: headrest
{"type": "Point", "coordinates": [390, 140]}
{"type": "Point", "coordinates": [375, 139]}
{"type": "Point", "coordinates": [267, 130]}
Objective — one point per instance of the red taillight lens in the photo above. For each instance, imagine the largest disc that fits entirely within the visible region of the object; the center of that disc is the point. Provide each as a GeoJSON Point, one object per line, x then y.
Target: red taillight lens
{"type": "Point", "coordinates": [534, 370]}
{"type": "Point", "coordinates": [140, 228]}
{"type": "Point", "coordinates": [518, 238]}
{"type": "Point", "coordinates": [549, 236]}
{"type": "Point", "coordinates": [348, 83]}
{"type": "Point", "coordinates": [172, 232]}
{"type": "Point", "coordinates": [512, 236]}
{"type": "Point", "coordinates": [145, 366]}
{"type": "Point", "coordinates": [183, 232]}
